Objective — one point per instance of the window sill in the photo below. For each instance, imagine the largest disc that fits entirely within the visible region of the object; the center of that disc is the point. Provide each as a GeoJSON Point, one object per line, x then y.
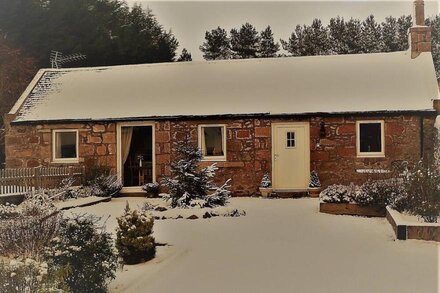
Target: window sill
{"type": "Point", "coordinates": [223, 164]}
{"type": "Point", "coordinates": [372, 156]}
{"type": "Point", "coordinates": [214, 159]}
{"type": "Point", "coordinates": [65, 161]}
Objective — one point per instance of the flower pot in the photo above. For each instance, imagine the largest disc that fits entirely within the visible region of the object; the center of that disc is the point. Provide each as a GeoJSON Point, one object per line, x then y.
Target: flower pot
{"type": "Point", "coordinates": [265, 191]}
{"type": "Point", "coordinates": [314, 191]}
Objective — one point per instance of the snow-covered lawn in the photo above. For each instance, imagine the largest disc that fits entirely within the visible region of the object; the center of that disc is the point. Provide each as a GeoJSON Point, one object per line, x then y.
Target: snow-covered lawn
{"type": "Point", "coordinates": [282, 245]}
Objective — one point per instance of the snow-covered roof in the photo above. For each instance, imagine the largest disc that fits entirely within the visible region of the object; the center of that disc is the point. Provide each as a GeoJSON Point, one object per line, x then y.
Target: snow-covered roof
{"type": "Point", "coordinates": [274, 86]}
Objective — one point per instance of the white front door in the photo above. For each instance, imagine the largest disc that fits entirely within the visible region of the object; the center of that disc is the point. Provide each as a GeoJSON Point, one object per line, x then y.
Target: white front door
{"type": "Point", "coordinates": [290, 156]}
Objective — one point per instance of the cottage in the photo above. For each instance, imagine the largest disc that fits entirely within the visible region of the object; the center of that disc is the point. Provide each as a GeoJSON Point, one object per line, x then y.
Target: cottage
{"type": "Point", "coordinates": [338, 115]}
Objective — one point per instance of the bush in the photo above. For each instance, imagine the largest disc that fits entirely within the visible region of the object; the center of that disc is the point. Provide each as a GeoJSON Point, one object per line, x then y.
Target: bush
{"type": "Point", "coordinates": [189, 181]}
{"type": "Point", "coordinates": [422, 192]}
{"type": "Point", "coordinates": [8, 211]}
{"type": "Point", "coordinates": [87, 250]}
{"type": "Point", "coordinates": [36, 221]}
{"type": "Point", "coordinates": [28, 275]}
{"type": "Point", "coordinates": [379, 192]}
{"type": "Point", "coordinates": [134, 241]}
{"type": "Point", "coordinates": [100, 180]}
{"type": "Point", "coordinates": [337, 194]}
{"type": "Point", "coordinates": [152, 188]}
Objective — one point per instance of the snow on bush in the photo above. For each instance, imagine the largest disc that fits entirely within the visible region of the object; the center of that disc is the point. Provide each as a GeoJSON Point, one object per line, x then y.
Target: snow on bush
{"type": "Point", "coordinates": [36, 221]}
{"type": "Point", "coordinates": [87, 250]}
{"type": "Point", "coordinates": [265, 181]}
{"type": "Point", "coordinates": [134, 241]}
{"type": "Point", "coordinates": [8, 211]}
{"type": "Point", "coordinates": [379, 192]}
{"type": "Point", "coordinates": [152, 188]}
{"type": "Point", "coordinates": [189, 181]}
{"type": "Point", "coordinates": [337, 194]}
{"type": "Point", "coordinates": [106, 185]}
{"type": "Point", "coordinates": [27, 275]}
{"type": "Point", "coordinates": [314, 180]}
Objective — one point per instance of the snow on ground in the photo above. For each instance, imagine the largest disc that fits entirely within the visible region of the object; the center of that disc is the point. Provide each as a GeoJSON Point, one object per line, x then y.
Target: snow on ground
{"type": "Point", "coordinates": [279, 246]}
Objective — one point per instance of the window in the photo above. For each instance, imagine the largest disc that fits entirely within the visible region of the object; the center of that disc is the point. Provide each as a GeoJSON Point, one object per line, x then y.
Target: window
{"type": "Point", "coordinates": [65, 146]}
{"type": "Point", "coordinates": [212, 142]}
{"type": "Point", "coordinates": [290, 140]}
{"type": "Point", "coordinates": [370, 139]}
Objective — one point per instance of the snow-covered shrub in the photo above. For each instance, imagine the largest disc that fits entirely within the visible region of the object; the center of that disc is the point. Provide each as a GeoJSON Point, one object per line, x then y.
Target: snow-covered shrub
{"type": "Point", "coordinates": [379, 192]}
{"type": "Point", "coordinates": [219, 197]}
{"type": "Point", "coordinates": [422, 191]}
{"type": "Point", "coordinates": [8, 211]}
{"type": "Point", "coordinates": [189, 181]}
{"type": "Point", "coordinates": [152, 188]}
{"type": "Point", "coordinates": [314, 180]}
{"type": "Point", "coordinates": [31, 229]}
{"type": "Point", "coordinates": [265, 181]}
{"type": "Point", "coordinates": [87, 250]}
{"type": "Point", "coordinates": [28, 275]}
{"type": "Point", "coordinates": [337, 194]}
{"type": "Point", "coordinates": [106, 185]}
{"type": "Point", "coordinates": [134, 241]}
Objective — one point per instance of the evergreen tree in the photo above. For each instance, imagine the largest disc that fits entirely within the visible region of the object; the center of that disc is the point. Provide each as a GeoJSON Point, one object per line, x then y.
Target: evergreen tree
{"type": "Point", "coordinates": [133, 236]}
{"type": "Point", "coordinates": [316, 40]}
{"type": "Point", "coordinates": [403, 25]}
{"type": "Point", "coordinates": [295, 44]}
{"type": "Point", "coordinates": [353, 36]}
{"type": "Point", "coordinates": [184, 56]}
{"type": "Point", "coordinates": [268, 47]}
{"type": "Point", "coordinates": [245, 42]}
{"type": "Point", "coordinates": [216, 45]}
{"type": "Point", "coordinates": [336, 33]}
{"type": "Point", "coordinates": [108, 32]}
{"type": "Point", "coordinates": [390, 35]}
{"type": "Point", "coordinates": [371, 38]}
{"type": "Point", "coordinates": [435, 24]}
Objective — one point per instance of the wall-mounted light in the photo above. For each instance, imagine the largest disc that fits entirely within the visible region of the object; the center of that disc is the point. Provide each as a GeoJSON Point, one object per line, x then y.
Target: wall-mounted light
{"type": "Point", "coordinates": [322, 133]}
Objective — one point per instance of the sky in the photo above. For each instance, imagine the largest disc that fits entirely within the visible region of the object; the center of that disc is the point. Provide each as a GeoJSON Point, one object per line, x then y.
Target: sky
{"type": "Point", "coordinates": [190, 20]}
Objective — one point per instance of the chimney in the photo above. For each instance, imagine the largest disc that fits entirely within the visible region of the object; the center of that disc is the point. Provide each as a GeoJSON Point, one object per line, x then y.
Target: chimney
{"type": "Point", "coordinates": [420, 33]}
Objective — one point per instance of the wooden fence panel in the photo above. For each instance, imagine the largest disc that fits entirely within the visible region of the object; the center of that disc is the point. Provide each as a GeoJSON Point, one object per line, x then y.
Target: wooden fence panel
{"type": "Point", "coordinates": [22, 180]}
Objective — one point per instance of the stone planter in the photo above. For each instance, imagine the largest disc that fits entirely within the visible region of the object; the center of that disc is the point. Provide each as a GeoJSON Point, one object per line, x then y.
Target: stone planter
{"type": "Point", "coordinates": [314, 191]}
{"type": "Point", "coordinates": [351, 209]}
{"type": "Point", "coordinates": [265, 192]}
{"type": "Point", "coordinates": [405, 229]}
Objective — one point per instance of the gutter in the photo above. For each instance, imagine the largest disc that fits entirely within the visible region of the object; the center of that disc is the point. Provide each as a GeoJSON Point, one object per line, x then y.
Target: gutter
{"type": "Point", "coordinates": [425, 113]}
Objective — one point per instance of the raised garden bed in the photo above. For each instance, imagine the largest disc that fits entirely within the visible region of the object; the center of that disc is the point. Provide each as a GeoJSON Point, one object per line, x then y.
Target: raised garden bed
{"type": "Point", "coordinates": [351, 209]}
{"type": "Point", "coordinates": [407, 227]}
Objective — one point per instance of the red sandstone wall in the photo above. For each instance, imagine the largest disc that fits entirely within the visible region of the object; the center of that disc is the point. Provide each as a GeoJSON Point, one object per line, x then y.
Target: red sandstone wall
{"type": "Point", "coordinates": [248, 146]}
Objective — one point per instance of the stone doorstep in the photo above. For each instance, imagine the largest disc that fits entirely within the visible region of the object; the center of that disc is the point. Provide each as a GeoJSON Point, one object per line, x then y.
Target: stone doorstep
{"type": "Point", "coordinates": [351, 209]}
{"type": "Point", "coordinates": [405, 230]}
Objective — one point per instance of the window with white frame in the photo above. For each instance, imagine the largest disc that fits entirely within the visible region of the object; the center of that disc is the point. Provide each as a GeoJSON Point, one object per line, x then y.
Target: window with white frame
{"type": "Point", "coordinates": [370, 138]}
{"type": "Point", "coordinates": [65, 145]}
{"type": "Point", "coordinates": [212, 142]}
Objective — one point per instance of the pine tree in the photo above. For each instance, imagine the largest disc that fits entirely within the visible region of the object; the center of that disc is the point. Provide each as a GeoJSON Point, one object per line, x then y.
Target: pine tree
{"type": "Point", "coordinates": [314, 180]}
{"type": "Point", "coordinates": [435, 24]}
{"type": "Point", "coordinates": [217, 45]}
{"type": "Point", "coordinates": [403, 25]}
{"type": "Point", "coordinates": [184, 56]}
{"type": "Point", "coordinates": [316, 40]}
{"type": "Point", "coordinates": [189, 181]}
{"type": "Point", "coordinates": [337, 32]}
{"type": "Point", "coordinates": [265, 181]}
{"type": "Point", "coordinates": [353, 36]}
{"type": "Point", "coordinates": [371, 38]}
{"type": "Point", "coordinates": [245, 42]}
{"type": "Point", "coordinates": [133, 236]}
{"type": "Point", "coordinates": [389, 35]}
{"type": "Point", "coordinates": [295, 44]}
{"type": "Point", "coordinates": [268, 47]}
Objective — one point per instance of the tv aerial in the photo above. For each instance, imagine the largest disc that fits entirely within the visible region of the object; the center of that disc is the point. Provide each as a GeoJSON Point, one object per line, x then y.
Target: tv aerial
{"type": "Point", "coordinates": [57, 59]}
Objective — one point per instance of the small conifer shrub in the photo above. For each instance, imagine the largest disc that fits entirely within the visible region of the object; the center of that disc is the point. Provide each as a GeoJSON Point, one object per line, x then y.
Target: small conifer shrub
{"type": "Point", "coordinates": [134, 241]}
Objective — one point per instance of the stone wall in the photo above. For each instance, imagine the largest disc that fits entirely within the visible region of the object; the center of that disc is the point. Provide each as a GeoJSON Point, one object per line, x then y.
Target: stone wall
{"type": "Point", "coordinates": [248, 146]}
{"type": "Point", "coordinates": [31, 146]}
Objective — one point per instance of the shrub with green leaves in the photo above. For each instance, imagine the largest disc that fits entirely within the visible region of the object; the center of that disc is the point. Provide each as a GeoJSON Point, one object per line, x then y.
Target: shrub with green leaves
{"type": "Point", "coordinates": [87, 250]}
{"type": "Point", "coordinates": [134, 241]}
{"type": "Point", "coordinates": [379, 192]}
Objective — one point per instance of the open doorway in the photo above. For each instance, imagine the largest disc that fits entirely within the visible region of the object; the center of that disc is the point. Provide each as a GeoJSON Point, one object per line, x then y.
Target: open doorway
{"type": "Point", "coordinates": [136, 155]}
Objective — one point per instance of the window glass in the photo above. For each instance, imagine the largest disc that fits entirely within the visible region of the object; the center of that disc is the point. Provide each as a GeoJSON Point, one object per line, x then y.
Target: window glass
{"type": "Point", "coordinates": [212, 141]}
{"type": "Point", "coordinates": [370, 137]}
{"type": "Point", "coordinates": [290, 142]}
{"type": "Point", "coordinates": [65, 145]}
